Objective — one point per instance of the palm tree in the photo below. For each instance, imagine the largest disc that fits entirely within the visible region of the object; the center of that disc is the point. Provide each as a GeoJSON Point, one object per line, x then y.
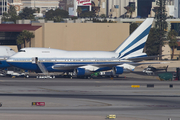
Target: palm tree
{"type": "Point", "coordinates": [79, 11]}
{"type": "Point", "coordinates": [172, 41]}
{"type": "Point", "coordinates": [102, 15]}
{"type": "Point", "coordinates": [131, 10]}
{"type": "Point", "coordinates": [25, 36]}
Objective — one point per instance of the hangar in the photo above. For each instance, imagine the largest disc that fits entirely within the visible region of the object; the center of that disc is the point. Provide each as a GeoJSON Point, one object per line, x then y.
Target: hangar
{"type": "Point", "coordinates": [68, 36]}
{"type": "Point", "coordinates": [9, 33]}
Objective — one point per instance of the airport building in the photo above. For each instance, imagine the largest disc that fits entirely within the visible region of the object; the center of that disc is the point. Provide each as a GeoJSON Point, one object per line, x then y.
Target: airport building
{"type": "Point", "coordinates": [177, 8]}
{"type": "Point", "coordinates": [69, 36]}
{"type": "Point", "coordinates": [86, 36]}
{"type": "Point", "coordinates": [79, 36]}
{"type": "Point", "coordinates": [3, 6]}
{"type": "Point", "coordinates": [142, 8]}
{"type": "Point", "coordinates": [111, 8]}
{"type": "Point", "coordinates": [44, 5]}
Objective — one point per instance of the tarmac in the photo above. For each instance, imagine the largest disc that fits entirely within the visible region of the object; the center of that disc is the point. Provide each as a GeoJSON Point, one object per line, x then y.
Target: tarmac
{"type": "Point", "coordinates": [132, 96]}
{"type": "Point", "coordinates": [79, 99]}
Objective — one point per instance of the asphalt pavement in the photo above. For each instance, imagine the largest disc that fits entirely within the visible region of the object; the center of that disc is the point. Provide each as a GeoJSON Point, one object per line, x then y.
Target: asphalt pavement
{"type": "Point", "coordinates": [131, 96]}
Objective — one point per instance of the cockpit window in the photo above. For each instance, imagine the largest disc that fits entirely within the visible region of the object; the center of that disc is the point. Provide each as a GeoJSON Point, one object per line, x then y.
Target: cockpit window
{"type": "Point", "coordinates": [11, 49]}
{"type": "Point", "coordinates": [21, 51]}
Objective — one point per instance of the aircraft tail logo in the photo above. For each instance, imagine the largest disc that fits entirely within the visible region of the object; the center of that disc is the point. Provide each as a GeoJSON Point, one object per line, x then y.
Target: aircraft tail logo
{"type": "Point", "coordinates": [133, 46]}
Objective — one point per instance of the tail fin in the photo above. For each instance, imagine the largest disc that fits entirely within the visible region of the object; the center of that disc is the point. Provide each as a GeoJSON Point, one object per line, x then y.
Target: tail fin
{"type": "Point", "coordinates": [133, 46]}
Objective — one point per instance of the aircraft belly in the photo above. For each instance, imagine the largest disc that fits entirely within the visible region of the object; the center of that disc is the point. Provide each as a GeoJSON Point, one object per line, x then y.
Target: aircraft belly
{"type": "Point", "coordinates": [25, 65]}
{"type": "Point", "coordinates": [34, 67]}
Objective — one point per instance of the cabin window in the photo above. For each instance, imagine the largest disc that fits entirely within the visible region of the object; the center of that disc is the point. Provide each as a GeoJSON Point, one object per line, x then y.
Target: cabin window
{"type": "Point", "coordinates": [45, 51]}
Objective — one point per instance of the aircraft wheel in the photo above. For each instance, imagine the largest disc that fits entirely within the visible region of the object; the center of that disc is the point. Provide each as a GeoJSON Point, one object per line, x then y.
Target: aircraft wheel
{"type": "Point", "coordinates": [4, 74]}
{"type": "Point", "coordinates": [87, 77]}
{"type": "Point", "coordinates": [27, 76]}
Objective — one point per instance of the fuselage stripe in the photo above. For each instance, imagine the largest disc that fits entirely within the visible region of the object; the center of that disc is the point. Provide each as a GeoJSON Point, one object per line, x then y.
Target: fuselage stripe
{"type": "Point", "coordinates": [142, 35]}
{"type": "Point", "coordinates": [133, 50]}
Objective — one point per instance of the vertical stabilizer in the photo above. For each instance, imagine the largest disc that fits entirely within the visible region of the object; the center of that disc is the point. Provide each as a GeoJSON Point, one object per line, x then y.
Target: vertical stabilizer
{"type": "Point", "coordinates": [133, 46]}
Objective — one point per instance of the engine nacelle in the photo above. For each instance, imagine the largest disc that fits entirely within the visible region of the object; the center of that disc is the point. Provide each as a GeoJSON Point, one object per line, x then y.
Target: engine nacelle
{"type": "Point", "coordinates": [117, 70]}
{"type": "Point", "coordinates": [81, 72]}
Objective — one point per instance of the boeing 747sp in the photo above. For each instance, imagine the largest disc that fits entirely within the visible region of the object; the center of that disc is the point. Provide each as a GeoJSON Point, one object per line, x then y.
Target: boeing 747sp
{"type": "Point", "coordinates": [83, 63]}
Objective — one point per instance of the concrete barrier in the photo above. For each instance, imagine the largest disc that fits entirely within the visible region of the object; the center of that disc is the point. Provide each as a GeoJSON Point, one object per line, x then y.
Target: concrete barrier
{"type": "Point", "coordinates": [150, 85]}
{"type": "Point", "coordinates": [171, 85]}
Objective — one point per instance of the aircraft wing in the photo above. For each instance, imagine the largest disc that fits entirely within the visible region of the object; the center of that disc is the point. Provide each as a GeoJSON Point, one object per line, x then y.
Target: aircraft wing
{"type": "Point", "coordinates": [98, 65]}
{"type": "Point", "coordinates": [141, 63]}
{"type": "Point", "coordinates": [66, 66]}
{"type": "Point", "coordinates": [143, 58]}
{"type": "Point", "coordinates": [74, 66]}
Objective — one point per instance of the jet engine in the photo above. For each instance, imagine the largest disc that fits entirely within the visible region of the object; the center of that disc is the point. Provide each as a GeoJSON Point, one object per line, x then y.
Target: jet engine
{"type": "Point", "coordinates": [81, 72]}
{"type": "Point", "coordinates": [117, 70]}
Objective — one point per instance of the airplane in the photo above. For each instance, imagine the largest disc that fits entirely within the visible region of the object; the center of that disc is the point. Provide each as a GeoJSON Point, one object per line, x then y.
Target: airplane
{"type": "Point", "coordinates": [84, 63]}
{"type": "Point", "coordinates": [151, 70]}
{"type": "Point", "coordinates": [5, 53]}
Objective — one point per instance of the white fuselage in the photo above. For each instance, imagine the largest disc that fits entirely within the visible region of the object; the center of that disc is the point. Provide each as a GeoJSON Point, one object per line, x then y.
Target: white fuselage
{"type": "Point", "coordinates": [54, 53]}
{"type": "Point", "coordinates": [64, 60]}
